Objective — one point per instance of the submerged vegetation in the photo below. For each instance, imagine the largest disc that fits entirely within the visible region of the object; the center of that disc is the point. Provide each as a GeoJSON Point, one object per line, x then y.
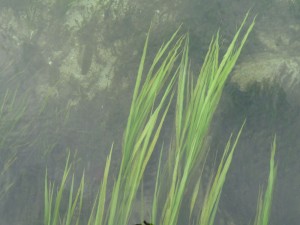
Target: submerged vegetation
{"type": "Point", "coordinates": [168, 80]}
{"type": "Point", "coordinates": [12, 111]}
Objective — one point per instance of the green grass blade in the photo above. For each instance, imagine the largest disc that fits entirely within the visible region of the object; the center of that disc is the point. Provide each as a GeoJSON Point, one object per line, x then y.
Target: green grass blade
{"type": "Point", "coordinates": [101, 201]}
{"type": "Point", "coordinates": [265, 202]}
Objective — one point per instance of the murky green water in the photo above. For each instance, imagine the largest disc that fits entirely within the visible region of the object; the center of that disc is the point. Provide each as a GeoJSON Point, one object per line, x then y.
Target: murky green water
{"type": "Point", "coordinates": [67, 72]}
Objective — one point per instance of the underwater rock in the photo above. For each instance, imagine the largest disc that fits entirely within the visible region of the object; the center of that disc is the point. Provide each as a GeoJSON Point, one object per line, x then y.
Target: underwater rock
{"type": "Point", "coordinates": [267, 69]}
{"type": "Point", "coordinates": [86, 59]}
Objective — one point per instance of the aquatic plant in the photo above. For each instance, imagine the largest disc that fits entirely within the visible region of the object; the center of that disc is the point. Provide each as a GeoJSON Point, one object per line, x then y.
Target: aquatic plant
{"type": "Point", "coordinates": [52, 217]}
{"type": "Point", "coordinates": [265, 201]}
{"type": "Point", "coordinates": [194, 112]}
{"type": "Point", "coordinates": [12, 132]}
{"type": "Point", "coordinates": [195, 106]}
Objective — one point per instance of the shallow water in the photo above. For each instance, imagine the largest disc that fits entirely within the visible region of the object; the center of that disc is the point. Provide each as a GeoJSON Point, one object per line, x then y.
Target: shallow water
{"type": "Point", "coordinates": [57, 102]}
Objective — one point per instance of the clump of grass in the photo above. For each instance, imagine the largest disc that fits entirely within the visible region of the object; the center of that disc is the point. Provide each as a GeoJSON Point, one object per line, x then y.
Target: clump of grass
{"type": "Point", "coordinates": [146, 117]}
{"type": "Point", "coordinates": [195, 106]}
{"type": "Point", "coordinates": [52, 208]}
